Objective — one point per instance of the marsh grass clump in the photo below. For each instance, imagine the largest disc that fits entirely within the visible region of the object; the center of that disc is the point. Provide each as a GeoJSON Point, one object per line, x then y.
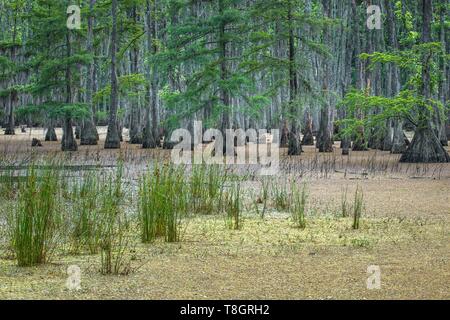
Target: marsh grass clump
{"type": "Point", "coordinates": [233, 207]}
{"type": "Point", "coordinates": [361, 242]}
{"type": "Point", "coordinates": [281, 197]}
{"type": "Point", "coordinates": [163, 199]}
{"type": "Point", "coordinates": [115, 232]}
{"type": "Point", "coordinates": [358, 207]}
{"type": "Point", "coordinates": [85, 216]}
{"type": "Point", "coordinates": [206, 185]}
{"type": "Point", "coordinates": [36, 218]}
{"type": "Point", "coordinates": [299, 198]}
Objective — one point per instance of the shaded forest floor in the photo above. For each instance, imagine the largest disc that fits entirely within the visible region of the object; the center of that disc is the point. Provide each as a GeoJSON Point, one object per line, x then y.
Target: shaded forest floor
{"type": "Point", "coordinates": [405, 230]}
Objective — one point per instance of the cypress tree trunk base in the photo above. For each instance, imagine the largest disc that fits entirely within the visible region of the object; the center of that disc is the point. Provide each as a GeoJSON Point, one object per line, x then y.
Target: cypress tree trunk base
{"type": "Point", "coordinates": [68, 142]}
{"type": "Point", "coordinates": [308, 138]}
{"type": "Point", "coordinates": [51, 134]}
{"type": "Point", "coordinates": [148, 142]}
{"type": "Point", "coordinates": [135, 138]}
{"type": "Point", "coordinates": [324, 139]}
{"type": "Point", "coordinates": [120, 132]}
{"type": "Point", "coordinates": [425, 148]}
{"type": "Point", "coordinates": [294, 145]}
{"type": "Point", "coordinates": [388, 140]}
{"type": "Point", "coordinates": [399, 144]}
{"type": "Point", "coordinates": [112, 138]}
{"type": "Point", "coordinates": [376, 140]}
{"type": "Point", "coordinates": [359, 145]}
{"type": "Point", "coordinates": [443, 135]}
{"type": "Point", "coordinates": [443, 138]}
{"type": "Point", "coordinates": [135, 134]}
{"type": "Point", "coordinates": [284, 139]}
{"type": "Point", "coordinates": [9, 132]}
{"type": "Point", "coordinates": [77, 132]}
{"type": "Point", "coordinates": [345, 145]}
{"type": "Point", "coordinates": [89, 134]}
{"type": "Point", "coordinates": [398, 148]}
{"type": "Point", "coordinates": [326, 145]}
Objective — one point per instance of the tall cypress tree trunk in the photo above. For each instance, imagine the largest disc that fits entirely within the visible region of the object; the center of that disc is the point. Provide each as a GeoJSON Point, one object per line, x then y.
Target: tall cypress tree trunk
{"type": "Point", "coordinates": [425, 146]}
{"type": "Point", "coordinates": [444, 124]}
{"type": "Point", "coordinates": [10, 126]}
{"type": "Point", "coordinates": [68, 142]}
{"type": "Point", "coordinates": [397, 143]}
{"type": "Point", "coordinates": [89, 134]}
{"type": "Point", "coordinates": [135, 128]}
{"type": "Point", "coordinates": [149, 138]}
{"type": "Point", "coordinates": [112, 137]}
{"type": "Point", "coordinates": [294, 144]}
{"type": "Point", "coordinates": [359, 141]}
{"type": "Point", "coordinates": [325, 143]}
{"type": "Point", "coordinates": [224, 94]}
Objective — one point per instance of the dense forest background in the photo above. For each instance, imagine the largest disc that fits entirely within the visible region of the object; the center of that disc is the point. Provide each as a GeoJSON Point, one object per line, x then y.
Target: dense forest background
{"type": "Point", "coordinates": [311, 68]}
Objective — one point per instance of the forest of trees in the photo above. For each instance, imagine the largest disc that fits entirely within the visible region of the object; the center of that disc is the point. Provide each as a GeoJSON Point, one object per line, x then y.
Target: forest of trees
{"type": "Point", "coordinates": [310, 68]}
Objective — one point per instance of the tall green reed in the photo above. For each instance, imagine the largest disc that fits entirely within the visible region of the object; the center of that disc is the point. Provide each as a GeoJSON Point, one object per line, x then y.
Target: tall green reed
{"type": "Point", "coordinates": [299, 198]}
{"type": "Point", "coordinates": [358, 207]}
{"type": "Point", "coordinates": [163, 200]}
{"type": "Point", "coordinates": [36, 218]}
